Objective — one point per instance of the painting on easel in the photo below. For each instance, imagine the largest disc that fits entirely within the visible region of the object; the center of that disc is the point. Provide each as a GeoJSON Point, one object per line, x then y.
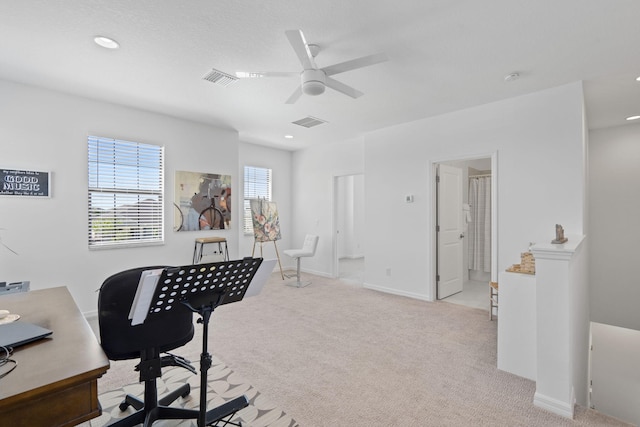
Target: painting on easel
{"type": "Point", "coordinates": [266, 224]}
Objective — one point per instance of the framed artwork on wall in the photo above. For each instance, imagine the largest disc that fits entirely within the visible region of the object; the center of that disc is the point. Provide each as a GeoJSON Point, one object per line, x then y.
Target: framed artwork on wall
{"type": "Point", "coordinates": [202, 201]}
{"type": "Point", "coordinates": [25, 183]}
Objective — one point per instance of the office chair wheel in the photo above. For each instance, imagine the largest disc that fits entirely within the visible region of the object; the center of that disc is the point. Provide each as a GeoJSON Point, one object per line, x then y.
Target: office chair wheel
{"type": "Point", "coordinates": [132, 401]}
{"type": "Point", "coordinates": [186, 392]}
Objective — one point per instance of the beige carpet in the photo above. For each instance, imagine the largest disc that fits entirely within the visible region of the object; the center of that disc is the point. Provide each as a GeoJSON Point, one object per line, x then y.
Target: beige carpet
{"type": "Point", "coordinates": [335, 354]}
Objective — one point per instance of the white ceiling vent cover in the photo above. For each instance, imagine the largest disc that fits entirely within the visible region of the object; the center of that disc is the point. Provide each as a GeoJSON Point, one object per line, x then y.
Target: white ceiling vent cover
{"type": "Point", "coordinates": [309, 122]}
{"type": "Point", "coordinates": [220, 78]}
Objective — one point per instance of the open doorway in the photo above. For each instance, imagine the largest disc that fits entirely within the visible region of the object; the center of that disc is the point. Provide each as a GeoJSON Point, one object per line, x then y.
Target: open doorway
{"type": "Point", "coordinates": [465, 231]}
{"type": "Point", "coordinates": [348, 249]}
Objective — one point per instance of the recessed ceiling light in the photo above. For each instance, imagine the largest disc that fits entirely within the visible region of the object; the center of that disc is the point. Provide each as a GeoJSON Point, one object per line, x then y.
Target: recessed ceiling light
{"type": "Point", "coordinates": [288, 136]}
{"type": "Point", "coordinates": [638, 78]}
{"type": "Point", "coordinates": [106, 42]}
{"type": "Point", "coordinates": [633, 118]}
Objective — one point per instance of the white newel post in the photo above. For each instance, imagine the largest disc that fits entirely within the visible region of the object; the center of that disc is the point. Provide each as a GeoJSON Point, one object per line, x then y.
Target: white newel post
{"type": "Point", "coordinates": [562, 324]}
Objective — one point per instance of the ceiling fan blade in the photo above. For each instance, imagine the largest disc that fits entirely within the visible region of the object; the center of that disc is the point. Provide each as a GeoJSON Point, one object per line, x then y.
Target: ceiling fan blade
{"type": "Point", "coordinates": [295, 96]}
{"type": "Point", "coordinates": [341, 87]}
{"type": "Point", "coordinates": [281, 74]}
{"type": "Point", "coordinates": [299, 44]}
{"type": "Point", "coordinates": [260, 74]}
{"type": "Point", "coordinates": [364, 61]}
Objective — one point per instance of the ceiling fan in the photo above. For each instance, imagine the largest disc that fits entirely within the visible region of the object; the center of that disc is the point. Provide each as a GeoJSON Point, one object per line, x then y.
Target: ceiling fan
{"type": "Point", "coordinates": [314, 80]}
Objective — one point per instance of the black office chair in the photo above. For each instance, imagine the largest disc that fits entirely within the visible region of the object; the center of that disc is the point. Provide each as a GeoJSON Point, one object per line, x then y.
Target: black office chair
{"type": "Point", "coordinates": [158, 334]}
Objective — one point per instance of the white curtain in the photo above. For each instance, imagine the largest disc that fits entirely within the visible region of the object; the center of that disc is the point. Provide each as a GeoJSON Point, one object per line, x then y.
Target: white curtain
{"type": "Point", "coordinates": [480, 225]}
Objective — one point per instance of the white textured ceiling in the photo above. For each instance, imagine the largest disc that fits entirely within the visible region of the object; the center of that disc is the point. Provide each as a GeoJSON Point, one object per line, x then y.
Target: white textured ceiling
{"type": "Point", "coordinates": [444, 55]}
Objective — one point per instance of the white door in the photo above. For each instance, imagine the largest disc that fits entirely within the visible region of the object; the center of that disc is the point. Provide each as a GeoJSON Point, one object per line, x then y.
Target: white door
{"type": "Point", "coordinates": [348, 228]}
{"type": "Point", "coordinates": [449, 231]}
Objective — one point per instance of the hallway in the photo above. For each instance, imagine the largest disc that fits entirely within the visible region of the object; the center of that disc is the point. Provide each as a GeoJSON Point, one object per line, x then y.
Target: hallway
{"type": "Point", "coordinates": [474, 294]}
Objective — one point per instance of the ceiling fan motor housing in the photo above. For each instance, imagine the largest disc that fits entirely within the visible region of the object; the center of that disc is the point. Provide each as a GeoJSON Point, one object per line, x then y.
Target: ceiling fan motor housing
{"type": "Point", "coordinates": [313, 82]}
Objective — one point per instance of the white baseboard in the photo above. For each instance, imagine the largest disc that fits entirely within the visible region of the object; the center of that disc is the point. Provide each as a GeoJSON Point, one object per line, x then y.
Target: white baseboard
{"type": "Point", "coordinates": [315, 273]}
{"type": "Point", "coordinates": [354, 256]}
{"type": "Point", "coordinates": [554, 405]}
{"type": "Point", "coordinates": [292, 269]}
{"type": "Point", "coordinates": [396, 292]}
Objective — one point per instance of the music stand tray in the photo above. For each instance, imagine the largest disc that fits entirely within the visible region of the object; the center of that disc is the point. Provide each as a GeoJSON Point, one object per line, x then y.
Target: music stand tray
{"type": "Point", "coordinates": [203, 288]}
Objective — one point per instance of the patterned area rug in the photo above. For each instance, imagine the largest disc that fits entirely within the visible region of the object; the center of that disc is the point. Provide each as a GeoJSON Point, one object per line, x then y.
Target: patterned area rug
{"type": "Point", "coordinates": [223, 385]}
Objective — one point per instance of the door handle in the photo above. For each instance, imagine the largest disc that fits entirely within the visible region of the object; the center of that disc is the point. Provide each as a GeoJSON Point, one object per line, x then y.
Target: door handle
{"type": "Point", "coordinates": [462, 235]}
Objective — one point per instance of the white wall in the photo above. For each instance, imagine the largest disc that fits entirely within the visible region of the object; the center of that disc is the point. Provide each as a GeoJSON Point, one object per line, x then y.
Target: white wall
{"type": "Point", "coordinates": [279, 162]}
{"type": "Point", "coordinates": [539, 139]}
{"type": "Point", "coordinates": [533, 133]}
{"type": "Point", "coordinates": [615, 374]}
{"type": "Point", "coordinates": [614, 203]}
{"type": "Point", "coordinates": [313, 173]}
{"type": "Point", "coordinates": [47, 131]}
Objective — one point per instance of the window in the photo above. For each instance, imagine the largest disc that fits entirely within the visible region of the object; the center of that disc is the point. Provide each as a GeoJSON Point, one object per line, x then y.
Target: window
{"type": "Point", "coordinates": [125, 193]}
{"type": "Point", "coordinates": [257, 185]}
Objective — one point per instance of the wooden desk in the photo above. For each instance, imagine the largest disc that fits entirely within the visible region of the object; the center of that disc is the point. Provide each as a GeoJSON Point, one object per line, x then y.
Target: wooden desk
{"type": "Point", "coordinates": [56, 380]}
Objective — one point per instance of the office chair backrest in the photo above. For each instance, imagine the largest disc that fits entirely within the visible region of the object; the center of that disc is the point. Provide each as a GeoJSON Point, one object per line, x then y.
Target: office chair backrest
{"type": "Point", "coordinates": [161, 331]}
{"type": "Point", "coordinates": [310, 244]}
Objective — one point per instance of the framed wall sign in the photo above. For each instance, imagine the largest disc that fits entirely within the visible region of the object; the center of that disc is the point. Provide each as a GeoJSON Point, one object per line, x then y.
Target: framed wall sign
{"type": "Point", "coordinates": [25, 183]}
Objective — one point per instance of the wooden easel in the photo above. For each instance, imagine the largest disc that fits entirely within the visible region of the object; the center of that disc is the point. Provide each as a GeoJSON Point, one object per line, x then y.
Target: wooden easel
{"type": "Point", "coordinates": [277, 254]}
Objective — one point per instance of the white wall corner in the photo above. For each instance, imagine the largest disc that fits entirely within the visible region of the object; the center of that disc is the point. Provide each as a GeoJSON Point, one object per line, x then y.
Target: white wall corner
{"type": "Point", "coordinates": [554, 405]}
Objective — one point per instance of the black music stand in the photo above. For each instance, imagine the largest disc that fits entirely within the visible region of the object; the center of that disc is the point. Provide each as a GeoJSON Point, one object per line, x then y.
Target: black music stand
{"type": "Point", "coordinates": [202, 288]}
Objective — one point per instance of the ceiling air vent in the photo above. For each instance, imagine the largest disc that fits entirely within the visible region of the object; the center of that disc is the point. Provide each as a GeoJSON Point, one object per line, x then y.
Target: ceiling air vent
{"type": "Point", "coordinates": [220, 78]}
{"type": "Point", "coordinates": [309, 122]}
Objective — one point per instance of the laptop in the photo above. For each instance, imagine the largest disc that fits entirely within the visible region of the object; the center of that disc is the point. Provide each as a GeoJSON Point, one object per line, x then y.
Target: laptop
{"type": "Point", "coordinates": [18, 333]}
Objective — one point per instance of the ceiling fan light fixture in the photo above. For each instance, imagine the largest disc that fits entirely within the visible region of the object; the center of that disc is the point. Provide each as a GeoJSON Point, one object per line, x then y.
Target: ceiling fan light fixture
{"type": "Point", "coordinates": [313, 88]}
{"type": "Point", "coordinates": [313, 82]}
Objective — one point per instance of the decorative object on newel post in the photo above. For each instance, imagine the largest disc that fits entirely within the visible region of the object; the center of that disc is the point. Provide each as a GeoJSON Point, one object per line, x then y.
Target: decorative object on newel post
{"type": "Point", "coordinates": [559, 235]}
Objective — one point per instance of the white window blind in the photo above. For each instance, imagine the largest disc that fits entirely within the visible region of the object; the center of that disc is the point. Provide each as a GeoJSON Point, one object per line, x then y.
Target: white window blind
{"type": "Point", "coordinates": [126, 191]}
{"type": "Point", "coordinates": [257, 185]}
